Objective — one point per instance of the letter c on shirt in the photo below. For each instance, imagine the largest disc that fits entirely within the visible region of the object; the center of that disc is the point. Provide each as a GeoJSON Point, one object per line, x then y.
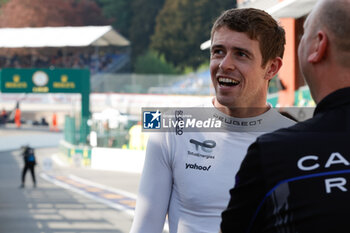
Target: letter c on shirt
{"type": "Point", "coordinates": [301, 161]}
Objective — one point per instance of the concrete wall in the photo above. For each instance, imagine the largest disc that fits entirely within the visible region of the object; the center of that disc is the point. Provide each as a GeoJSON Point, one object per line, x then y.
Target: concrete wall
{"type": "Point", "coordinates": [121, 160]}
{"type": "Point", "coordinates": [109, 159]}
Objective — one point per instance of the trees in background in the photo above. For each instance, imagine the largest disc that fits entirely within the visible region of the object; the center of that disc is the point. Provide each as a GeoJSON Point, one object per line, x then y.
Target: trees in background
{"type": "Point", "coordinates": [174, 29]}
{"type": "Point", "coordinates": [41, 13]}
{"type": "Point", "coordinates": [182, 25]}
{"type": "Point", "coordinates": [90, 13]}
{"type": "Point", "coordinates": [152, 63]}
{"type": "Point", "coordinates": [134, 19]}
{"type": "Point", "coordinates": [3, 2]}
{"type": "Point", "coordinates": [142, 24]}
{"type": "Point", "coordinates": [119, 12]}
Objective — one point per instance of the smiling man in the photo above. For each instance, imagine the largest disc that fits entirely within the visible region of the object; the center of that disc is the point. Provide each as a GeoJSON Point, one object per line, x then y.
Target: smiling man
{"type": "Point", "coordinates": [188, 176]}
{"type": "Point", "coordinates": [246, 52]}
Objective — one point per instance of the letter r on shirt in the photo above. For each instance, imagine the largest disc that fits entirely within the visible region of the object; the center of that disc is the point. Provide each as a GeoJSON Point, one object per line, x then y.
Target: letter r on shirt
{"type": "Point", "coordinates": [338, 182]}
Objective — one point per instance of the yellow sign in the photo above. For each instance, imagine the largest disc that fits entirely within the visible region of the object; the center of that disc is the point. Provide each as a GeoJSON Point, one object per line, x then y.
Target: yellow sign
{"type": "Point", "coordinates": [16, 78]}
{"type": "Point", "coordinates": [40, 89]}
{"type": "Point", "coordinates": [64, 83]}
{"type": "Point", "coordinates": [16, 82]}
{"type": "Point", "coordinates": [64, 78]}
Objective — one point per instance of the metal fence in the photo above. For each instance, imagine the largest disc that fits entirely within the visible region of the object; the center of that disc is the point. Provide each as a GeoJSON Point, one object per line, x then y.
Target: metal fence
{"type": "Point", "coordinates": [156, 84]}
{"type": "Point", "coordinates": [189, 84]}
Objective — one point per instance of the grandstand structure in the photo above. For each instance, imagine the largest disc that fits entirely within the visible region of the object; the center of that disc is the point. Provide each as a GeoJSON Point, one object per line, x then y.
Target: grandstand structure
{"type": "Point", "coordinates": [88, 49]}
{"type": "Point", "coordinates": [97, 48]}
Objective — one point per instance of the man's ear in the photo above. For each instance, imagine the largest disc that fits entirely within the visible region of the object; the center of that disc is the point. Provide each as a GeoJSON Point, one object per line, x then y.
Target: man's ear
{"type": "Point", "coordinates": [273, 68]}
{"type": "Point", "coordinates": [319, 49]}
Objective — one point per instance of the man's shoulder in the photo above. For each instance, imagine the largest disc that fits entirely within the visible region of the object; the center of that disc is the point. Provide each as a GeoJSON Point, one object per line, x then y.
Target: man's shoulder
{"type": "Point", "coordinates": [283, 120]}
{"type": "Point", "coordinates": [274, 120]}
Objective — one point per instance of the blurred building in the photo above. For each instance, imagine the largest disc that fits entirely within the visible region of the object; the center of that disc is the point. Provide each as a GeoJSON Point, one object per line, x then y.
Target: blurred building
{"type": "Point", "coordinates": [100, 49]}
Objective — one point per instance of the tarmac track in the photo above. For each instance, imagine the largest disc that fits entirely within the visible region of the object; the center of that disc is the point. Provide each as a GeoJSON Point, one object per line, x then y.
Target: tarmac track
{"type": "Point", "coordinates": [66, 199]}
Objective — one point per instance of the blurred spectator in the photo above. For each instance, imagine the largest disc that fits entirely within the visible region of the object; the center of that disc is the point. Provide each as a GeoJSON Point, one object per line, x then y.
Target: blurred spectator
{"type": "Point", "coordinates": [29, 163]}
{"type": "Point", "coordinates": [54, 122]}
{"type": "Point", "coordinates": [3, 117]}
{"type": "Point", "coordinates": [18, 117]}
{"type": "Point", "coordinates": [138, 140]}
{"type": "Point", "coordinates": [95, 61]}
{"type": "Point", "coordinates": [4, 113]}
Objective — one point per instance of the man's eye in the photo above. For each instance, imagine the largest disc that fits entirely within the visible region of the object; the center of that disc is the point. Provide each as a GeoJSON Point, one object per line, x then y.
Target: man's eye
{"type": "Point", "coordinates": [242, 54]}
{"type": "Point", "coordinates": [217, 51]}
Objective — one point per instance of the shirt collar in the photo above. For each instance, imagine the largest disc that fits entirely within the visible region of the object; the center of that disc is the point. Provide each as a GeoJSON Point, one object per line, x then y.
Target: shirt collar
{"type": "Point", "coordinates": [337, 98]}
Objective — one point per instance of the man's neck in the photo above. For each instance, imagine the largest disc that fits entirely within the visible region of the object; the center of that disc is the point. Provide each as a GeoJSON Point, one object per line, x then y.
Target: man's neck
{"type": "Point", "coordinates": [329, 77]}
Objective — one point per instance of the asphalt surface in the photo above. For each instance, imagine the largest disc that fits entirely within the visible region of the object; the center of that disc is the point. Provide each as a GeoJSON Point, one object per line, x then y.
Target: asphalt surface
{"type": "Point", "coordinates": [67, 199]}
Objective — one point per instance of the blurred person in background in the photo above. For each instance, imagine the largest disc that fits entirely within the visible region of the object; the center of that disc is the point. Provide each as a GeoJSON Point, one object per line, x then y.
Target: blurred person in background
{"type": "Point", "coordinates": [54, 123]}
{"type": "Point", "coordinates": [29, 164]}
{"type": "Point", "coordinates": [3, 116]}
{"type": "Point", "coordinates": [137, 139]}
{"type": "Point", "coordinates": [188, 176]}
{"type": "Point", "coordinates": [17, 117]}
{"type": "Point", "coordinates": [297, 179]}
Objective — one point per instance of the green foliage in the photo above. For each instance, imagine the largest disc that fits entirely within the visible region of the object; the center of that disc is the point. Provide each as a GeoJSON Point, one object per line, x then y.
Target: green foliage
{"type": "Point", "coordinates": [182, 25]}
{"type": "Point", "coordinates": [202, 67]}
{"type": "Point", "coordinates": [2, 2]}
{"type": "Point", "coordinates": [143, 24]}
{"type": "Point", "coordinates": [90, 13]}
{"type": "Point", "coordinates": [152, 63]}
{"type": "Point", "coordinates": [134, 19]}
{"type": "Point", "coordinates": [175, 28]}
{"type": "Point", "coordinates": [119, 12]}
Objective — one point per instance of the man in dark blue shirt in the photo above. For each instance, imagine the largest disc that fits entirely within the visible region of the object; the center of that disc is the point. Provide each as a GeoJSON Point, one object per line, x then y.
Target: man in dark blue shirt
{"type": "Point", "coordinates": [298, 179]}
{"type": "Point", "coordinates": [29, 163]}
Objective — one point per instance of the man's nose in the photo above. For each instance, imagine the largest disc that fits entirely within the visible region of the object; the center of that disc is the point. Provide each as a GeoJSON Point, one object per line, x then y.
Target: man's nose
{"type": "Point", "coordinates": [227, 63]}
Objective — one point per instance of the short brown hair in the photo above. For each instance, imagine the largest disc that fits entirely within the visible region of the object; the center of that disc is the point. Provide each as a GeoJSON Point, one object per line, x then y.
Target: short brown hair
{"type": "Point", "coordinates": [258, 25]}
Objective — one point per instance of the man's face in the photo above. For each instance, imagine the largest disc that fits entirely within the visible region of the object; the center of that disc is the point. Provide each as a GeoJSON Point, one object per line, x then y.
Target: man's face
{"type": "Point", "coordinates": [236, 72]}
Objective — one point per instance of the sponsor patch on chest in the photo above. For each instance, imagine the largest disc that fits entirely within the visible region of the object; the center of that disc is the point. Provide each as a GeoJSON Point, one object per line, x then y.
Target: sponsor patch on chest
{"type": "Point", "coordinates": [195, 166]}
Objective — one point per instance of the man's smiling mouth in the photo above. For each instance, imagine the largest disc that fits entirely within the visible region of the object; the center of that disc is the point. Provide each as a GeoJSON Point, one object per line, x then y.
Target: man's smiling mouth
{"type": "Point", "coordinates": [227, 82]}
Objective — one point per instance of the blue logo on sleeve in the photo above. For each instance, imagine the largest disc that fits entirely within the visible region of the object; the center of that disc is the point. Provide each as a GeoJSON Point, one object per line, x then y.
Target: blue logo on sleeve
{"type": "Point", "coordinates": [151, 119]}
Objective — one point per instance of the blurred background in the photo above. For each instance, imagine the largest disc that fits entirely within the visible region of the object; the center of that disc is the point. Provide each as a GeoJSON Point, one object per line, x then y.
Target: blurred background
{"type": "Point", "coordinates": [139, 54]}
{"type": "Point", "coordinates": [149, 55]}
